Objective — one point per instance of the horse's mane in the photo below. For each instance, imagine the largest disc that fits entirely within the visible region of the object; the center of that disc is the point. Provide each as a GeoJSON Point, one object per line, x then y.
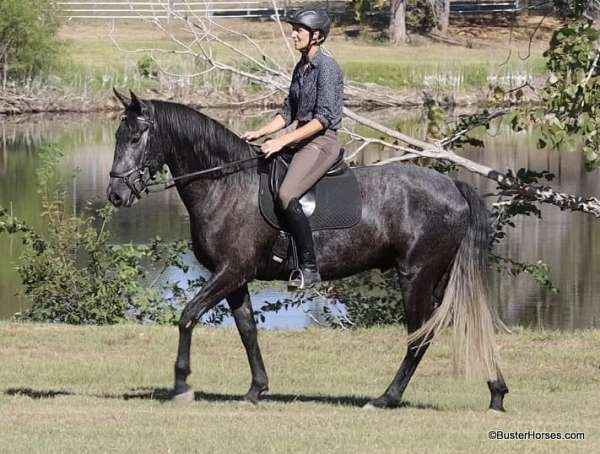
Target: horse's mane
{"type": "Point", "coordinates": [200, 141]}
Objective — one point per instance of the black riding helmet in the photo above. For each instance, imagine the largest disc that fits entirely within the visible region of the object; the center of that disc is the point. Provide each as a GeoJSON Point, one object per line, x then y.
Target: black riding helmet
{"type": "Point", "coordinates": [313, 19]}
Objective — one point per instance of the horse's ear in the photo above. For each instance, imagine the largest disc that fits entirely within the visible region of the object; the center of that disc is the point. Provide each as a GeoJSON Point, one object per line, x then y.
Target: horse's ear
{"type": "Point", "coordinates": [135, 105]}
{"type": "Point", "coordinates": [124, 99]}
{"type": "Point", "coordinates": [140, 107]}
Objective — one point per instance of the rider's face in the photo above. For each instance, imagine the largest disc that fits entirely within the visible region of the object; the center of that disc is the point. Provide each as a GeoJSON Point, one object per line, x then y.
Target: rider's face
{"type": "Point", "coordinates": [301, 37]}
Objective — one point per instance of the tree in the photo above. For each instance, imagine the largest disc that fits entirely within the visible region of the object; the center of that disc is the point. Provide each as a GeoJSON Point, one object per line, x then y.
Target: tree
{"type": "Point", "coordinates": [441, 15]}
{"type": "Point", "coordinates": [398, 22]}
{"type": "Point", "coordinates": [28, 42]}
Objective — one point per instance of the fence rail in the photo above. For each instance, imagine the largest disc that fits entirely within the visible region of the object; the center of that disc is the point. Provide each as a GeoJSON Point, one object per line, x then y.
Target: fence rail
{"type": "Point", "coordinates": [164, 9]}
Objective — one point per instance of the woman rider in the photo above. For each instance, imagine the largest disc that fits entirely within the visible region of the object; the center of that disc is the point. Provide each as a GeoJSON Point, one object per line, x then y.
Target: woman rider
{"type": "Point", "coordinates": [315, 102]}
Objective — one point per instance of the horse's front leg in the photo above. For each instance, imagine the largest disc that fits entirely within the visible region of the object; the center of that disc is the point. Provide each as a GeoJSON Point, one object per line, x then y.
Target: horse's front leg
{"type": "Point", "coordinates": [241, 306]}
{"type": "Point", "coordinates": [222, 284]}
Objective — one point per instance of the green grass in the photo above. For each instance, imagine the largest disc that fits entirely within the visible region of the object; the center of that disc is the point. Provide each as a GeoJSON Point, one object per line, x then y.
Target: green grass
{"type": "Point", "coordinates": [95, 64]}
{"type": "Point", "coordinates": [444, 76]}
{"type": "Point", "coordinates": [74, 389]}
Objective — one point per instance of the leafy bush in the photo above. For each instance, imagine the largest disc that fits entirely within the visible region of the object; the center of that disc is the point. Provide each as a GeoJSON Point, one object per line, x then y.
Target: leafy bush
{"type": "Point", "coordinates": [420, 16]}
{"type": "Point", "coordinates": [371, 298]}
{"type": "Point", "coordinates": [147, 67]}
{"type": "Point", "coordinates": [72, 274]}
{"type": "Point", "coordinates": [28, 42]}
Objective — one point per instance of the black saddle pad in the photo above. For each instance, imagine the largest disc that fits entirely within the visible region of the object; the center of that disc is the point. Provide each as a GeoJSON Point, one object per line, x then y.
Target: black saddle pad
{"type": "Point", "coordinates": [338, 202]}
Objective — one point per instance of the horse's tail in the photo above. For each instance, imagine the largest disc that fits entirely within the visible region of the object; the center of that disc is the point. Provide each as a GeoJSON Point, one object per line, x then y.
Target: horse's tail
{"type": "Point", "coordinates": [465, 306]}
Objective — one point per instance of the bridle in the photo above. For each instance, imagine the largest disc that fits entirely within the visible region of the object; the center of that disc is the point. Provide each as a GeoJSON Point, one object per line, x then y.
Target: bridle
{"type": "Point", "coordinates": [137, 179]}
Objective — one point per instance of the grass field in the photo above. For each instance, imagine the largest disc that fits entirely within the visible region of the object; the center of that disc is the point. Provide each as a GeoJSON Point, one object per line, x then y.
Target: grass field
{"type": "Point", "coordinates": [95, 63]}
{"type": "Point", "coordinates": [103, 389]}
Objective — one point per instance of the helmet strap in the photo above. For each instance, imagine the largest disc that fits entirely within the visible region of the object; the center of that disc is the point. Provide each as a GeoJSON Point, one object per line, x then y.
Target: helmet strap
{"type": "Point", "coordinates": [307, 49]}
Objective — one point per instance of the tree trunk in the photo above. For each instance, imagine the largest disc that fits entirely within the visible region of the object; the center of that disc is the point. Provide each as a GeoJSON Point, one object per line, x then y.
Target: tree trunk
{"type": "Point", "coordinates": [440, 10]}
{"type": "Point", "coordinates": [398, 22]}
{"type": "Point", "coordinates": [444, 18]}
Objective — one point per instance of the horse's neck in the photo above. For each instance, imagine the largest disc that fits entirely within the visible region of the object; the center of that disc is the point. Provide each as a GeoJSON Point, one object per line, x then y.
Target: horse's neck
{"type": "Point", "coordinates": [184, 155]}
{"type": "Point", "coordinates": [203, 196]}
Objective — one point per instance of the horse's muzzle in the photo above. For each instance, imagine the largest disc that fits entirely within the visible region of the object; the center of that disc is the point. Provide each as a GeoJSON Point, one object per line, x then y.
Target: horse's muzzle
{"type": "Point", "coordinates": [119, 194]}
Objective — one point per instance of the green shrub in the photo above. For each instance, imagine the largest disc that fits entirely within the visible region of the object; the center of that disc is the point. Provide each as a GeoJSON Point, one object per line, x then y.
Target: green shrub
{"type": "Point", "coordinates": [371, 298]}
{"type": "Point", "coordinates": [28, 42]}
{"type": "Point", "coordinates": [72, 274]}
{"type": "Point", "coordinates": [147, 67]}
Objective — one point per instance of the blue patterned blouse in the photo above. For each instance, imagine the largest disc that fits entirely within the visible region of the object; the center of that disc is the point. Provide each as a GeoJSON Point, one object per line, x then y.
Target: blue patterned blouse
{"type": "Point", "coordinates": [316, 92]}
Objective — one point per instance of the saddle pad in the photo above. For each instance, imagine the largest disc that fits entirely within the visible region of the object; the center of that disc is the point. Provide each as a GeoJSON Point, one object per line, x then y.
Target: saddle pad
{"type": "Point", "coordinates": [338, 202]}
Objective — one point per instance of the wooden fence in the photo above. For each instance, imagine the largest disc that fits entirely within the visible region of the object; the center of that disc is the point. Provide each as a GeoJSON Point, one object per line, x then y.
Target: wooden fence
{"type": "Point", "coordinates": [165, 9]}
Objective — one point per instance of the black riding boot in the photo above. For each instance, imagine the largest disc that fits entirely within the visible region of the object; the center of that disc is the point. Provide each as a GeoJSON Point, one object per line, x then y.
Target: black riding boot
{"type": "Point", "coordinates": [299, 227]}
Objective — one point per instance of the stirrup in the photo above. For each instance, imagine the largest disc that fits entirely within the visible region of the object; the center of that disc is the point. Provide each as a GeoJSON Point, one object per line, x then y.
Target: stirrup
{"type": "Point", "coordinates": [295, 276]}
{"type": "Point", "coordinates": [300, 282]}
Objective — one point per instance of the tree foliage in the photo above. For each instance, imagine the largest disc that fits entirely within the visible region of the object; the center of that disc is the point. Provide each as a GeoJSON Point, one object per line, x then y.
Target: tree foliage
{"type": "Point", "coordinates": [28, 42]}
{"type": "Point", "coordinates": [572, 91]}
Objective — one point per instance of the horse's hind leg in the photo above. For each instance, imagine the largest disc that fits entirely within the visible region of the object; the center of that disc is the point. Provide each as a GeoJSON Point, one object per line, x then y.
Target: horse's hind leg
{"type": "Point", "coordinates": [241, 307]}
{"type": "Point", "coordinates": [418, 306]}
{"type": "Point", "coordinates": [498, 389]}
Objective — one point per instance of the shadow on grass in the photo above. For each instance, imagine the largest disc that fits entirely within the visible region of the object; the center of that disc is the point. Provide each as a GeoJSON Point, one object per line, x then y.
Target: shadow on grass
{"type": "Point", "coordinates": [165, 395]}
{"type": "Point", "coordinates": [35, 394]}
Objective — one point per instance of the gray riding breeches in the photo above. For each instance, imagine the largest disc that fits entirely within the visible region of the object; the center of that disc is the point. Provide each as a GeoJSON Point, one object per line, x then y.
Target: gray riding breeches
{"type": "Point", "coordinates": [310, 162]}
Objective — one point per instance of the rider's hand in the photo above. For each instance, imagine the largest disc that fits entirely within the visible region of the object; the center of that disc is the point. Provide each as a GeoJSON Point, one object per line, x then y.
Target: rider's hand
{"type": "Point", "coordinates": [271, 147]}
{"type": "Point", "coordinates": [251, 135]}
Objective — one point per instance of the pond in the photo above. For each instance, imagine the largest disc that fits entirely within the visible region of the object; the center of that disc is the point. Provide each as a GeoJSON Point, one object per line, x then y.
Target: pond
{"type": "Point", "coordinates": [568, 242]}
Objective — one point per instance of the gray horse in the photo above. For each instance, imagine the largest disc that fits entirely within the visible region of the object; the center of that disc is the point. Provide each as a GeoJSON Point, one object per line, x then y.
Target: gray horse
{"type": "Point", "coordinates": [431, 229]}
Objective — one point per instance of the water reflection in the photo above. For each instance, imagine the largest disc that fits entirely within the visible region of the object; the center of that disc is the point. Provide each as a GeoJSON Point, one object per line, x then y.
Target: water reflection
{"type": "Point", "coordinates": [566, 241]}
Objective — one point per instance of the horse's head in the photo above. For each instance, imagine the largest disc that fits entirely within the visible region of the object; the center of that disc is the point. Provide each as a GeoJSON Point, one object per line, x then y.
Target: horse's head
{"type": "Point", "coordinates": [134, 161]}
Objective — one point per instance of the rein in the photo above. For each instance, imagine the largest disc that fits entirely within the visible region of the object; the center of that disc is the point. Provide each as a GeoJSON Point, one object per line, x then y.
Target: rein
{"type": "Point", "coordinates": [168, 184]}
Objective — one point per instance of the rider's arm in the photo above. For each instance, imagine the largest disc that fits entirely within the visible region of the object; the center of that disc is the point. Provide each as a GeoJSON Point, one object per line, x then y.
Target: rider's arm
{"type": "Point", "coordinates": [304, 132]}
{"type": "Point", "coordinates": [274, 125]}
{"type": "Point", "coordinates": [330, 94]}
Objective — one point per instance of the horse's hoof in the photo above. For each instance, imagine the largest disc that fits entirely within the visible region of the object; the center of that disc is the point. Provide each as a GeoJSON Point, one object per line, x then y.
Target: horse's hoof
{"type": "Point", "coordinates": [250, 400]}
{"type": "Point", "coordinates": [254, 395]}
{"type": "Point", "coordinates": [381, 402]}
{"type": "Point", "coordinates": [494, 412]}
{"type": "Point", "coordinates": [187, 396]}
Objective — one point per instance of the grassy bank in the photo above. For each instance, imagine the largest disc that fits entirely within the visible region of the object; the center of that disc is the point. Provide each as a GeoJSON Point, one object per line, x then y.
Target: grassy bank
{"type": "Point", "coordinates": [98, 57]}
{"type": "Point", "coordinates": [422, 65]}
{"type": "Point", "coordinates": [86, 389]}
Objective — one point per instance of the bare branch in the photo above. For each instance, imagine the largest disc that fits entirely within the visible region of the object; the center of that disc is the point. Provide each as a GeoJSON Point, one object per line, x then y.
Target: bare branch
{"type": "Point", "coordinates": [285, 38]}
